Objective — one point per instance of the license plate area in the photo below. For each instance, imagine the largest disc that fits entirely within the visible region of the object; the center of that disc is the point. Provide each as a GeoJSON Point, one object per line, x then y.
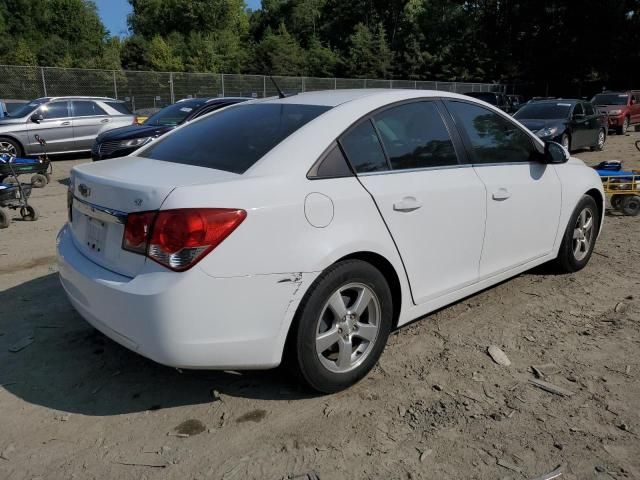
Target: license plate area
{"type": "Point", "coordinates": [96, 234]}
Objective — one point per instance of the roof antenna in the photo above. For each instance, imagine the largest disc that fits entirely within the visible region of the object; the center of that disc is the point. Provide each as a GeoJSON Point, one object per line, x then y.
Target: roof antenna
{"type": "Point", "coordinates": [280, 92]}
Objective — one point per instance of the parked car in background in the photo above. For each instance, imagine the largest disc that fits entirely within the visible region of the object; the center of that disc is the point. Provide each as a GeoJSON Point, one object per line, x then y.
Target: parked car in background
{"type": "Point", "coordinates": [143, 114]}
{"type": "Point", "coordinates": [623, 108]}
{"type": "Point", "coordinates": [572, 123]}
{"type": "Point", "coordinates": [496, 99]}
{"type": "Point", "coordinates": [125, 140]}
{"type": "Point", "coordinates": [9, 105]}
{"type": "Point", "coordinates": [314, 225]}
{"type": "Point", "coordinates": [68, 124]}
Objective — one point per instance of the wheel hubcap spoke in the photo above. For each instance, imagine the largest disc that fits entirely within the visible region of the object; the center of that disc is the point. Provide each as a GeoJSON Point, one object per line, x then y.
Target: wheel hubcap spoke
{"type": "Point", "coordinates": [362, 302]}
{"type": "Point", "coordinates": [336, 302]}
{"type": "Point", "coordinates": [327, 339]}
{"type": "Point", "coordinates": [345, 350]}
{"type": "Point", "coordinates": [366, 331]}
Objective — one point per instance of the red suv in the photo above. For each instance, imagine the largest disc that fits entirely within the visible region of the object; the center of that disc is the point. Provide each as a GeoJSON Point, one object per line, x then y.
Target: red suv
{"type": "Point", "coordinates": [622, 107]}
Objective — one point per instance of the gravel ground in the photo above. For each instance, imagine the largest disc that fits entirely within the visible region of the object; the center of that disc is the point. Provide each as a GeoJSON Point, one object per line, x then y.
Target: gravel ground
{"type": "Point", "coordinates": [76, 405]}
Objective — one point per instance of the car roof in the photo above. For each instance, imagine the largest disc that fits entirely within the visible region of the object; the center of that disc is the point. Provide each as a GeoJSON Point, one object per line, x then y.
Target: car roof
{"type": "Point", "coordinates": [572, 101]}
{"type": "Point", "coordinates": [78, 97]}
{"type": "Point", "coordinates": [333, 98]}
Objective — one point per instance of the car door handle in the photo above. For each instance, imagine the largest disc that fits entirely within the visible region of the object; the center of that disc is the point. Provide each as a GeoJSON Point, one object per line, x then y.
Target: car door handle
{"type": "Point", "coordinates": [65, 124]}
{"type": "Point", "coordinates": [106, 120]}
{"type": "Point", "coordinates": [501, 194]}
{"type": "Point", "coordinates": [407, 204]}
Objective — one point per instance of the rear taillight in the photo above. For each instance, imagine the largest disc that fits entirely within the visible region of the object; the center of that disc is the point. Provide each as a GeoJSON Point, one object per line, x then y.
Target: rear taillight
{"type": "Point", "coordinates": [178, 239]}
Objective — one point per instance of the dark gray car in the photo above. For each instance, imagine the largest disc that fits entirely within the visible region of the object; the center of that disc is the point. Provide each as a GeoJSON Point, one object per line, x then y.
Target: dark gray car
{"type": "Point", "coordinates": [68, 124]}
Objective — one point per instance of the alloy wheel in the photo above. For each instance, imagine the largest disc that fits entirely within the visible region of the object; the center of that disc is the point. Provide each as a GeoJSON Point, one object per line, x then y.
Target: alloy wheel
{"type": "Point", "coordinates": [583, 234]}
{"type": "Point", "coordinates": [601, 139]}
{"type": "Point", "coordinates": [348, 326]}
{"type": "Point", "coordinates": [7, 148]}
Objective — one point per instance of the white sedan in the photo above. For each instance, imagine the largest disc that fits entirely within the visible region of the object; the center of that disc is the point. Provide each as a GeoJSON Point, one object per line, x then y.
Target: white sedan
{"type": "Point", "coordinates": [308, 227]}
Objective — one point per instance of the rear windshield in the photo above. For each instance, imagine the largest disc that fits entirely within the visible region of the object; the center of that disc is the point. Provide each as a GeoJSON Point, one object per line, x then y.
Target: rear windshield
{"type": "Point", "coordinates": [174, 114]}
{"type": "Point", "coordinates": [233, 139]}
{"type": "Point", "coordinates": [484, 96]}
{"type": "Point", "coordinates": [544, 111]}
{"type": "Point", "coordinates": [610, 99]}
{"type": "Point", "coordinates": [120, 107]}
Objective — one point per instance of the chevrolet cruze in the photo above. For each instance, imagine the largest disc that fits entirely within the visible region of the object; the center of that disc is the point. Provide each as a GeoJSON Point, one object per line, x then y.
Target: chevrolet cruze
{"type": "Point", "coordinates": [306, 228]}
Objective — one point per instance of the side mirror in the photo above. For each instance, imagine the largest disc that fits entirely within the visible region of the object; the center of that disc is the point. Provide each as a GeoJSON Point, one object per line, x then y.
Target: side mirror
{"type": "Point", "coordinates": [555, 153]}
{"type": "Point", "coordinates": [37, 117]}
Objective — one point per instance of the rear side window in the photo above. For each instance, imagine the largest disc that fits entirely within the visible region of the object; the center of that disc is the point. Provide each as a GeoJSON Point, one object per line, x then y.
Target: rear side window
{"type": "Point", "coordinates": [119, 107]}
{"type": "Point", "coordinates": [331, 165]}
{"type": "Point", "coordinates": [414, 136]}
{"type": "Point", "coordinates": [363, 149]}
{"type": "Point", "coordinates": [83, 108]}
{"type": "Point", "coordinates": [493, 138]}
{"type": "Point", "coordinates": [233, 139]}
{"type": "Point", "coordinates": [55, 110]}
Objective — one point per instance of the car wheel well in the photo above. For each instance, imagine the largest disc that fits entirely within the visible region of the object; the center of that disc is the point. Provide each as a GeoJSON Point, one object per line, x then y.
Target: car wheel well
{"type": "Point", "coordinates": [597, 196]}
{"type": "Point", "coordinates": [389, 274]}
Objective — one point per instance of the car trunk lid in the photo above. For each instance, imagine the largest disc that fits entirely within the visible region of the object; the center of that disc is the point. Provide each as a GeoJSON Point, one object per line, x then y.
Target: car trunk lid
{"type": "Point", "coordinates": [105, 192]}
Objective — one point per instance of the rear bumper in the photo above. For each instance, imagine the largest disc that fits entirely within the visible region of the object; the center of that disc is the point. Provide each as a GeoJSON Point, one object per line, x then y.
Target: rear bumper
{"type": "Point", "coordinates": [188, 319]}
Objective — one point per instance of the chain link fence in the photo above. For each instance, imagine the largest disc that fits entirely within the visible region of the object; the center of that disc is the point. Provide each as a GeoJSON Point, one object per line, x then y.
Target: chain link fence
{"type": "Point", "coordinates": [144, 90]}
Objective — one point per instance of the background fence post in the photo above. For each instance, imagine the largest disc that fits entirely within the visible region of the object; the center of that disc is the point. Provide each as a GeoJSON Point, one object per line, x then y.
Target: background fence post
{"type": "Point", "coordinates": [115, 86]}
{"type": "Point", "coordinates": [44, 82]}
{"type": "Point", "coordinates": [302, 84]}
{"type": "Point", "coordinates": [173, 98]}
{"type": "Point", "coordinates": [415, 84]}
{"type": "Point", "coordinates": [264, 86]}
{"type": "Point", "coordinates": [222, 82]}
{"type": "Point", "coordinates": [335, 83]}
{"type": "Point", "coordinates": [436, 85]}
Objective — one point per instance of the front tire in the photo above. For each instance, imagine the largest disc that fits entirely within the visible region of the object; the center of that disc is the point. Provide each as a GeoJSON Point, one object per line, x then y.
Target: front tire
{"type": "Point", "coordinates": [565, 141]}
{"type": "Point", "coordinates": [38, 180]}
{"type": "Point", "coordinates": [580, 236]}
{"type": "Point", "coordinates": [29, 213]}
{"type": "Point", "coordinates": [342, 326]}
{"type": "Point", "coordinates": [9, 146]}
{"type": "Point", "coordinates": [602, 138]}
{"type": "Point", "coordinates": [5, 219]}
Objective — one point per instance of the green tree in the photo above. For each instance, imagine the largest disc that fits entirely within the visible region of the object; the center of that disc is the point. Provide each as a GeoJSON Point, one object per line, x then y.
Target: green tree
{"type": "Point", "coordinates": [369, 55]}
{"type": "Point", "coordinates": [278, 53]}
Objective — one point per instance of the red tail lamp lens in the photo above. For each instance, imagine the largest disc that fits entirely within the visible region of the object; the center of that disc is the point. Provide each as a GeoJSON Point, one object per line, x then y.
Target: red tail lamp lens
{"type": "Point", "coordinates": [178, 239]}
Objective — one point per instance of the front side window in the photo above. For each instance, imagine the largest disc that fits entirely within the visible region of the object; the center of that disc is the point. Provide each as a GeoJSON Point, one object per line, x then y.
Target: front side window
{"type": "Point", "coordinates": [85, 108]}
{"type": "Point", "coordinates": [588, 109]}
{"type": "Point", "coordinates": [55, 110]}
{"type": "Point", "coordinates": [492, 137]}
{"type": "Point", "coordinates": [233, 139]}
{"type": "Point", "coordinates": [174, 114]}
{"type": "Point", "coordinates": [577, 110]}
{"type": "Point", "coordinates": [363, 149]}
{"type": "Point", "coordinates": [414, 136]}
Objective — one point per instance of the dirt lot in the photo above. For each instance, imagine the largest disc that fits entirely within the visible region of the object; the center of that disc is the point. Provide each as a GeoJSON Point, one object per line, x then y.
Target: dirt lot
{"type": "Point", "coordinates": [73, 404]}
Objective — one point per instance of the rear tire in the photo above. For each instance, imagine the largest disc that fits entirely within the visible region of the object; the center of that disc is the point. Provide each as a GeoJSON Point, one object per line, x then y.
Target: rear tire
{"type": "Point", "coordinates": [631, 205]}
{"type": "Point", "coordinates": [5, 219]}
{"type": "Point", "coordinates": [38, 180]}
{"type": "Point", "coordinates": [621, 130]}
{"type": "Point", "coordinates": [341, 327]}
{"type": "Point", "coordinates": [579, 237]}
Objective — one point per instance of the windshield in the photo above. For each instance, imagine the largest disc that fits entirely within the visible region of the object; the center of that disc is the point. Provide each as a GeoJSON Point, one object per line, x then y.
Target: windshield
{"type": "Point", "coordinates": [233, 139]}
{"type": "Point", "coordinates": [173, 114]}
{"type": "Point", "coordinates": [544, 111]}
{"type": "Point", "coordinates": [26, 109]}
{"type": "Point", "coordinates": [610, 99]}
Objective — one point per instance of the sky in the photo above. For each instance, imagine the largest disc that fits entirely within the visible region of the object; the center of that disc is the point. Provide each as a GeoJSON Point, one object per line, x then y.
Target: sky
{"type": "Point", "coordinates": [114, 14]}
